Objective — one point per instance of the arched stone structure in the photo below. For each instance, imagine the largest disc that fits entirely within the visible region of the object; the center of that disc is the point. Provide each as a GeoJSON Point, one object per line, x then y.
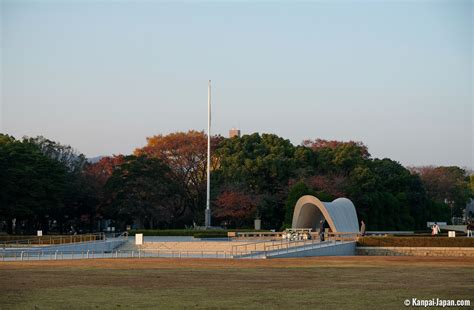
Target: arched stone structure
{"type": "Point", "coordinates": [340, 214]}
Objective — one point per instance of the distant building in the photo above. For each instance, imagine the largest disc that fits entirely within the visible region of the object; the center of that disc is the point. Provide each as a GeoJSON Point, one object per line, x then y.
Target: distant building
{"type": "Point", "coordinates": [234, 133]}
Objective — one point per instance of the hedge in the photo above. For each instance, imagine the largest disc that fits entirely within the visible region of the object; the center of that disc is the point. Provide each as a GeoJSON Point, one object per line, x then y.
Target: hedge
{"type": "Point", "coordinates": [415, 242]}
{"type": "Point", "coordinates": [211, 234]}
{"type": "Point", "coordinates": [167, 232]}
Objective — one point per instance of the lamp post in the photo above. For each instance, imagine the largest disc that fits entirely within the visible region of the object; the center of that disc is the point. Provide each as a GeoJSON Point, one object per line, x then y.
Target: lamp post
{"type": "Point", "coordinates": [207, 219]}
{"type": "Point", "coordinates": [450, 204]}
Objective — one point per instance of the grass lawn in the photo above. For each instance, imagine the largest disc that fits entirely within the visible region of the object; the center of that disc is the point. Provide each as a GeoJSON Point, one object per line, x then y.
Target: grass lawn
{"type": "Point", "coordinates": [308, 283]}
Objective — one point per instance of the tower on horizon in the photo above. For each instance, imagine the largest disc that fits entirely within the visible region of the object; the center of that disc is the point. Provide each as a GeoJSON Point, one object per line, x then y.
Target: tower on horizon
{"type": "Point", "coordinates": [234, 132]}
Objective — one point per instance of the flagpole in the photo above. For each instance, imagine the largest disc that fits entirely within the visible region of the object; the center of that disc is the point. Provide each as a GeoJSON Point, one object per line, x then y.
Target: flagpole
{"type": "Point", "coordinates": [208, 198]}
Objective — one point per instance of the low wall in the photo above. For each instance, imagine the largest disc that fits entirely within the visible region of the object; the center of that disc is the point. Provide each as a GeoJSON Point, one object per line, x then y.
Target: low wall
{"type": "Point", "coordinates": [461, 228]}
{"type": "Point", "coordinates": [198, 246]}
{"type": "Point", "coordinates": [415, 251]}
{"type": "Point", "coordinates": [345, 249]}
{"type": "Point", "coordinates": [107, 245]}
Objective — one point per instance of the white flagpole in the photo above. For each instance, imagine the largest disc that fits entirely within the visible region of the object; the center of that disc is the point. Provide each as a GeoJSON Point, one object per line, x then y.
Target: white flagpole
{"type": "Point", "coordinates": [208, 198]}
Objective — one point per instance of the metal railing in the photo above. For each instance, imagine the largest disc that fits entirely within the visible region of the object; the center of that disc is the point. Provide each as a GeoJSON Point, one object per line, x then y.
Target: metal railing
{"type": "Point", "coordinates": [261, 249]}
{"type": "Point", "coordinates": [266, 246]}
{"type": "Point", "coordinates": [301, 245]}
{"type": "Point", "coordinates": [254, 234]}
{"type": "Point", "coordinates": [6, 256]}
{"type": "Point", "coordinates": [288, 247]}
{"type": "Point", "coordinates": [53, 240]}
{"type": "Point", "coordinates": [123, 235]}
{"type": "Point", "coordinates": [304, 247]}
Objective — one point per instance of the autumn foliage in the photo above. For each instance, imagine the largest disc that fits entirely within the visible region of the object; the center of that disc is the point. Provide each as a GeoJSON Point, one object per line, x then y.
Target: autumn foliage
{"type": "Point", "coordinates": [448, 185]}
{"type": "Point", "coordinates": [235, 207]}
{"type": "Point", "coordinates": [102, 170]}
{"type": "Point", "coordinates": [186, 155]}
{"type": "Point", "coordinates": [44, 184]}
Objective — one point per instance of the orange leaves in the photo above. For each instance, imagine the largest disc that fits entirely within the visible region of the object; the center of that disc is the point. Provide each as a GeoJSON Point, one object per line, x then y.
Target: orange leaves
{"type": "Point", "coordinates": [103, 169]}
{"type": "Point", "coordinates": [186, 155]}
{"type": "Point", "coordinates": [236, 205]}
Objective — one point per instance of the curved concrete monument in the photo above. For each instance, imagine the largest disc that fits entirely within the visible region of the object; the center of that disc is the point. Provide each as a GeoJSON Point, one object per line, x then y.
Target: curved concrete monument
{"type": "Point", "coordinates": [340, 214]}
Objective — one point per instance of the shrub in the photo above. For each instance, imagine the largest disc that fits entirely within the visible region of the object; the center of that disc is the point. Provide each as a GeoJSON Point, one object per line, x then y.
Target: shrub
{"type": "Point", "coordinates": [211, 234]}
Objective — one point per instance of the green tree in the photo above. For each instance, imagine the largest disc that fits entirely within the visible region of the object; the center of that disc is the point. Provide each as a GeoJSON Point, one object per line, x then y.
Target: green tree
{"type": "Point", "coordinates": [64, 154]}
{"type": "Point", "coordinates": [337, 156]}
{"type": "Point", "coordinates": [79, 197]}
{"type": "Point", "coordinates": [262, 165]}
{"type": "Point", "coordinates": [31, 185]}
{"type": "Point", "coordinates": [296, 191]}
{"type": "Point", "coordinates": [141, 190]}
{"type": "Point", "coordinates": [471, 185]}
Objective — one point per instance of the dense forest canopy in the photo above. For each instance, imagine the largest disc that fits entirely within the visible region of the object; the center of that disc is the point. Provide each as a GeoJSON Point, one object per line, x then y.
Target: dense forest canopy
{"type": "Point", "coordinates": [49, 186]}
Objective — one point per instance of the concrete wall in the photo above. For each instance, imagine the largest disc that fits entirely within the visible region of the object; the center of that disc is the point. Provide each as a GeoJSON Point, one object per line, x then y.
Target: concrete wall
{"type": "Point", "coordinates": [345, 249]}
{"type": "Point", "coordinates": [461, 228]}
{"type": "Point", "coordinates": [415, 251]}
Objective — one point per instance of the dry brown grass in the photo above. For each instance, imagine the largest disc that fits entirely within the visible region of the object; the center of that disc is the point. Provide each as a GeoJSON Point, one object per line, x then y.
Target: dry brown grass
{"type": "Point", "coordinates": [325, 282]}
{"type": "Point", "coordinates": [198, 263]}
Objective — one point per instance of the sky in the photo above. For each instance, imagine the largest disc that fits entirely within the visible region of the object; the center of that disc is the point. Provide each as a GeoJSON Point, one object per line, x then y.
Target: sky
{"type": "Point", "coordinates": [104, 75]}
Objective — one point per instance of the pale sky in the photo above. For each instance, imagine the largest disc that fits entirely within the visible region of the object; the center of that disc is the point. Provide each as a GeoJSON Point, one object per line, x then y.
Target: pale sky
{"type": "Point", "coordinates": [103, 75]}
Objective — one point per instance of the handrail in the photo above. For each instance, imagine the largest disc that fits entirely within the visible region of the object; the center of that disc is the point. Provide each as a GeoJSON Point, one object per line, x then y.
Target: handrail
{"type": "Point", "coordinates": [253, 234]}
{"type": "Point", "coordinates": [304, 247]}
{"type": "Point", "coordinates": [291, 243]}
{"type": "Point", "coordinates": [260, 249]}
{"type": "Point", "coordinates": [38, 254]}
{"type": "Point", "coordinates": [118, 235]}
{"type": "Point", "coordinates": [300, 243]}
{"type": "Point", "coordinates": [45, 240]}
{"type": "Point", "coordinates": [140, 253]}
{"type": "Point", "coordinates": [254, 245]}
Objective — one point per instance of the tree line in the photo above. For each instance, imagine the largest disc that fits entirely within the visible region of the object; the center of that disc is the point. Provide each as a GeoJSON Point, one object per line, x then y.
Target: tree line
{"type": "Point", "coordinates": [49, 186]}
